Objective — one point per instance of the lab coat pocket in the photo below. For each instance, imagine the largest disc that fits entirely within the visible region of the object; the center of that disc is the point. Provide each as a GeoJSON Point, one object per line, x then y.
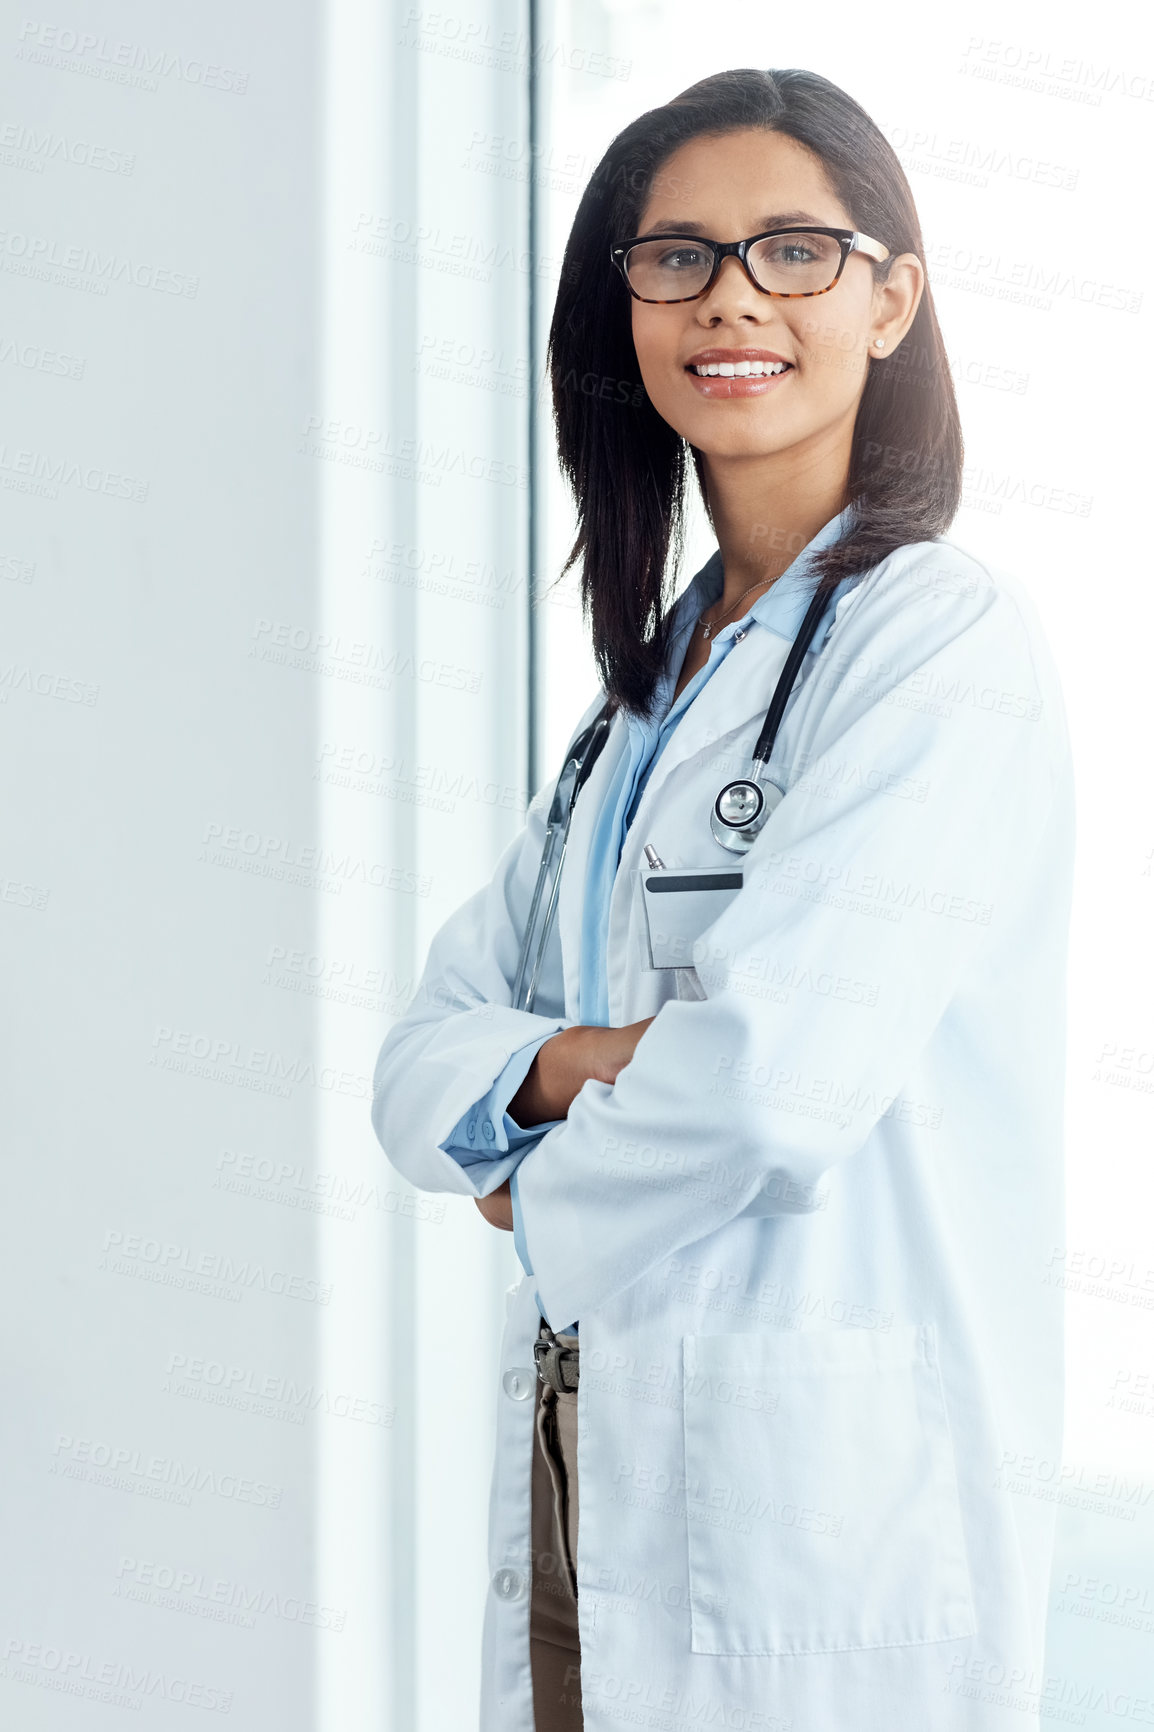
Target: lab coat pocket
{"type": "Point", "coordinates": [821, 1493]}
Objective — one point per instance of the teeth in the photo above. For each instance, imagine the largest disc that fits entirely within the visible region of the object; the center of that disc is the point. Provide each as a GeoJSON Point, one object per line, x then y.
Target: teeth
{"type": "Point", "coordinates": [739, 369]}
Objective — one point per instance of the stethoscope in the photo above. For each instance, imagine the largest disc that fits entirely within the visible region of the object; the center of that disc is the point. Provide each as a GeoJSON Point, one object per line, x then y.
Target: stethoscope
{"type": "Point", "coordinates": [579, 762]}
{"type": "Point", "coordinates": [736, 817]}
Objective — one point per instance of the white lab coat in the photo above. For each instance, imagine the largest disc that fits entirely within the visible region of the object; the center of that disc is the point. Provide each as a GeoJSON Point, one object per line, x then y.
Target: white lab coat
{"type": "Point", "coordinates": [809, 1232]}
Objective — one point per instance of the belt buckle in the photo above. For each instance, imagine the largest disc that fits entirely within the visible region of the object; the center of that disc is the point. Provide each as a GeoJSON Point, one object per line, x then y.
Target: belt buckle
{"type": "Point", "coordinates": [549, 1368]}
{"type": "Point", "coordinates": [550, 1358]}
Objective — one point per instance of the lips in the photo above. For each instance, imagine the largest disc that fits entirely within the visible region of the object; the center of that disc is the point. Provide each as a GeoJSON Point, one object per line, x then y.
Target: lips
{"type": "Point", "coordinates": [726, 374]}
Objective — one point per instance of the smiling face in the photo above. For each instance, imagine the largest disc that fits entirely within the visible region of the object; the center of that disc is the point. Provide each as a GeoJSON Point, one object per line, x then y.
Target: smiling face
{"type": "Point", "coordinates": [725, 188]}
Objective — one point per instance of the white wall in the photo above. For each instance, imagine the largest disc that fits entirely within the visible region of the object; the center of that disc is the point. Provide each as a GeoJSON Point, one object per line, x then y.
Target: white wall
{"type": "Point", "coordinates": [265, 712]}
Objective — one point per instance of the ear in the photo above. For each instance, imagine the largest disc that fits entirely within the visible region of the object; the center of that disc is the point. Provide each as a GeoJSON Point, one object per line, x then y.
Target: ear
{"type": "Point", "coordinates": [895, 302]}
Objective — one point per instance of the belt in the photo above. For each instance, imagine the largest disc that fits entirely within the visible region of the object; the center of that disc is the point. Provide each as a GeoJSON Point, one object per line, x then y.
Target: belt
{"type": "Point", "coordinates": [557, 1365]}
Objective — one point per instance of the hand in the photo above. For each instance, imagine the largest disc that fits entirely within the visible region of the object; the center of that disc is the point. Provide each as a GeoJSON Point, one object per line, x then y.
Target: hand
{"type": "Point", "coordinates": [550, 1089]}
{"type": "Point", "coordinates": [565, 1062]}
{"type": "Point", "coordinates": [497, 1207]}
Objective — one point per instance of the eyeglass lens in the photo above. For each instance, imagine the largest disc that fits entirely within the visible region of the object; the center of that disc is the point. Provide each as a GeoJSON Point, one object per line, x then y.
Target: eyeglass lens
{"type": "Point", "coordinates": [673, 268]}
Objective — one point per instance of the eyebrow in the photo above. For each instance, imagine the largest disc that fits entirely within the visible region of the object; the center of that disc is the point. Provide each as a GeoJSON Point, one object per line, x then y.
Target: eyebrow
{"type": "Point", "coordinates": [782, 219]}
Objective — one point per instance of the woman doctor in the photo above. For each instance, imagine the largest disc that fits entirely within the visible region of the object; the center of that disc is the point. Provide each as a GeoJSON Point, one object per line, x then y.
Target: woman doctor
{"type": "Point", "coordinates": [781, 1148]}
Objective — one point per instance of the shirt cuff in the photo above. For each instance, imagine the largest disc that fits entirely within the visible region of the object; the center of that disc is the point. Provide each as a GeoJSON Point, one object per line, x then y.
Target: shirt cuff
{"type": "Point", "coordinates": [487, 1131]}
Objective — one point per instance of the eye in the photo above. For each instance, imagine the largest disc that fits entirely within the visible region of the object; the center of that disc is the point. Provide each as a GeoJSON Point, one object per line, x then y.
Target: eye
{"type": "Point", "coordinates": [681, 258]}
{"type": "Point", "coordinates": [793, 252]}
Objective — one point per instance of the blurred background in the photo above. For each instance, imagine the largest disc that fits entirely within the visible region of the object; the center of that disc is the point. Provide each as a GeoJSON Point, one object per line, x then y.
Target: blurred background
{"type": "Point", "coordinates": [283, 657]}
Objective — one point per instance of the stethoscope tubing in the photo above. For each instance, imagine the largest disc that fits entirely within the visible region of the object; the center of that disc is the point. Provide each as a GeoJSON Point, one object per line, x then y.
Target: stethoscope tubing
{"type": "Point", "coordinates": [547, 928]}
{"type": "Point", "coordinates": [579, 762]}
{"type": "Point", "coordinates": [522, 999]}
{"type": "Point", "coordinates": [784, 686]}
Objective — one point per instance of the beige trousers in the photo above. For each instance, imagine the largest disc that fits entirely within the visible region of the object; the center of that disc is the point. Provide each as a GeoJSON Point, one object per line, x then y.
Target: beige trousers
{"type": "Point", "coordinates": [554, 1646]}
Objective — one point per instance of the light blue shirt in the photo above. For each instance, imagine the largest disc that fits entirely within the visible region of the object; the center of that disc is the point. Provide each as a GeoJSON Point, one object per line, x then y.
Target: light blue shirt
{"type": "Point", "coordinates": [487, 1130]}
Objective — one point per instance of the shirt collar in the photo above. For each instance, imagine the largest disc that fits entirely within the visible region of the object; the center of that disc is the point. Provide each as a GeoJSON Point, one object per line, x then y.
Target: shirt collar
{"type": "Point", "coordinates": [783, 605]}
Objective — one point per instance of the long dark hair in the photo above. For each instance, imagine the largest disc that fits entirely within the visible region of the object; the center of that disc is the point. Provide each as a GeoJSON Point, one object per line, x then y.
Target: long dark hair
{"type": "Point", "coordinates": [626, 465]}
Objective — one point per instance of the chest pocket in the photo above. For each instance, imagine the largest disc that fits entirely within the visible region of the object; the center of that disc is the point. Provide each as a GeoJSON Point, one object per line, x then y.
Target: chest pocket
{"type": "Point", "coordinates": [681, 904]}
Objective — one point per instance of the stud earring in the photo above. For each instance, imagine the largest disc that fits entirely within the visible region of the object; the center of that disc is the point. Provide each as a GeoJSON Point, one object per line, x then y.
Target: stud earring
{"type": "Point", "coordinates": [879, 342]}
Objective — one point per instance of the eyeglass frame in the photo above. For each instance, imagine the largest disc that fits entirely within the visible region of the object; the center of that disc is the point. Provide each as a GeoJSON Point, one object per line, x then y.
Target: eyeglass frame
{"type": "Point", "coordinates": [850, 241]}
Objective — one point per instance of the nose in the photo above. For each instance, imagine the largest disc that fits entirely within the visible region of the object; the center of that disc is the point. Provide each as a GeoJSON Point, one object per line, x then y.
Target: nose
{"type": "Point", "coordinates": [733, 293]}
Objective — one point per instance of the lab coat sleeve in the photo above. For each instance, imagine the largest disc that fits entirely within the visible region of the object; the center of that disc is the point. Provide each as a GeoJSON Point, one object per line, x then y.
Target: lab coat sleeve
{"type": "Point", "coordinates": [929, 769]}
{"type": "Point", "coordinates": [487, 1130]}
{"type": "Point", "coordinates": [460, 1033]}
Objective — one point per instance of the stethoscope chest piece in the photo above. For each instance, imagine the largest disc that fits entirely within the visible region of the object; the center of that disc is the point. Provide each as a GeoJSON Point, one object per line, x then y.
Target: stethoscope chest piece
{"type": "Point", "coordinates": [740, 810]}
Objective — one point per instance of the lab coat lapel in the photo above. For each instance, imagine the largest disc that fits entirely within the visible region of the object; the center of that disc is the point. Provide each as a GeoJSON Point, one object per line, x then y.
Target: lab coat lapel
{"type": "Point", "coordinates": [732, 697]}
{"type": "Point", "coordinates": [732, 701]}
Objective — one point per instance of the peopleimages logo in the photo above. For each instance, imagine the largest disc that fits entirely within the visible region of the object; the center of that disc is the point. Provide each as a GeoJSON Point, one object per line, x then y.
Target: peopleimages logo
{"type": "Point", "coordinates": [164, 1477]}
{"type": "Point", "coordinates": [191, 1590]}
{"type": "Point", "coordinates": [120, 1683]}
{"type": "Point", "coordinates": [41, 255]}
{"type": "Point", "coordinates": [137, 1254]}
{"type": "Point", "coordinates": [27, 147]}
{"type": "Point", "coordinates": [118, 62]}
{"type": "Point", "coordinates": [273, 1395]}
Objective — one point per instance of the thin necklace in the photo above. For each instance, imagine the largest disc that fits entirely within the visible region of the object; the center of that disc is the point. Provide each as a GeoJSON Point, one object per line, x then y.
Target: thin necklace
{"type": "Point", "coordinates": [708, 630]}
